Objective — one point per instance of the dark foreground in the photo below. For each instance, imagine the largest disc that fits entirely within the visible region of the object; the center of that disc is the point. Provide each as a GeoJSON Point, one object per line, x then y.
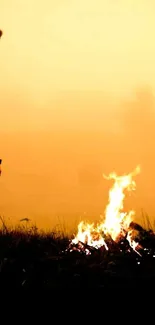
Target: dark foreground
{"type": "Point", "coordinates": [30, 260]}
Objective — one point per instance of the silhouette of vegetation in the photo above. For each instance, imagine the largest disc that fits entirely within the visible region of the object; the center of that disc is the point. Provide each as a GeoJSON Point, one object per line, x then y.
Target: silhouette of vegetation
{"type": "Point", "coordinates": [31, 258]}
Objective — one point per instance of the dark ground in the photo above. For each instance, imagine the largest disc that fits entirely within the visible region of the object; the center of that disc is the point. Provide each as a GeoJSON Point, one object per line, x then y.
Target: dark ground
{"type": "Point", "coordinates": [32, 260]}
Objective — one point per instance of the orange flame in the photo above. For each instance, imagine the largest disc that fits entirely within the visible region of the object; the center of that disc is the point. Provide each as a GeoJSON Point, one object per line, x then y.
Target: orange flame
{"type": "Point", "coordinates": [116, 222]}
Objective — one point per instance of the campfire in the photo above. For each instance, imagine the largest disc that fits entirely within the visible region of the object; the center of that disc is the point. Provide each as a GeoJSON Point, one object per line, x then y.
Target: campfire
{"type": "Point", "coordinates": [116, 226]}
{"type": "Point", "coordinates": [114, 253]}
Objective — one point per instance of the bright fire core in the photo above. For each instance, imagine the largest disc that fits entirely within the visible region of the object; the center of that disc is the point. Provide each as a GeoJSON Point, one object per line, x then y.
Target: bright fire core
{"type": "Point", "coordinates": [115, 222]}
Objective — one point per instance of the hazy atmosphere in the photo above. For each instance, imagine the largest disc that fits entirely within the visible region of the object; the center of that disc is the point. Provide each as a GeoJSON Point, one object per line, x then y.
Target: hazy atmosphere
{"type": "Point", "coordinates": [77, 86]}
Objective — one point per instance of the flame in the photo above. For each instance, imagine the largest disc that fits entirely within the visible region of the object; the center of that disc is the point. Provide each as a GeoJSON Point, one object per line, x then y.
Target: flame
{"type": "Point", "coordinates": [90, 235]}
{"type": "Point", "coordinates": [116, 222]}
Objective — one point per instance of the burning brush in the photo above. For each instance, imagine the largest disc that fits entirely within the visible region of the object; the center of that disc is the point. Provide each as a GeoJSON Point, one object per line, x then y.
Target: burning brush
{"type": "Point", "coordinates": [115, 226]}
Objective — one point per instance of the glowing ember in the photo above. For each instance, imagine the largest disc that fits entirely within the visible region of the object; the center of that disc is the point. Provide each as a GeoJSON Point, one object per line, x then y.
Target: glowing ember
{"type": "Point", "coordinates": [116, 222]}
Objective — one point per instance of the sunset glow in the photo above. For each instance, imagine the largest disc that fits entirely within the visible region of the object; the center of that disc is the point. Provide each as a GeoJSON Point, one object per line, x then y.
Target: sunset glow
{"type": "Point", "coordinates": [76, 99]}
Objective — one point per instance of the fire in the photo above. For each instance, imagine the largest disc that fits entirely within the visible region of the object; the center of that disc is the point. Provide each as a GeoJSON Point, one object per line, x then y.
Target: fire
{"type": "Point", "coordinates": [116, 222]}
{"type": "Point", "coordinates": [90, 235]}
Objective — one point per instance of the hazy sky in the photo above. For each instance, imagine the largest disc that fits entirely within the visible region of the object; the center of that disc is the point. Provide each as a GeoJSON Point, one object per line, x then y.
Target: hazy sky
{"type": "Point", "coordinates": [69, 104]}
{"type": "Point", "coordinates": [76, 45]}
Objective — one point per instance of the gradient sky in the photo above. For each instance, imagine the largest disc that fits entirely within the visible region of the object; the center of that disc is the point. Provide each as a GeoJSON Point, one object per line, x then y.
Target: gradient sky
{"type": "Point", "coordinates": [76, 100]}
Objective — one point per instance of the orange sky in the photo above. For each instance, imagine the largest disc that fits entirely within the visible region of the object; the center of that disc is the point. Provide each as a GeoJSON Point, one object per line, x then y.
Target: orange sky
{"type": "Point", "coordinates": [76, 100]}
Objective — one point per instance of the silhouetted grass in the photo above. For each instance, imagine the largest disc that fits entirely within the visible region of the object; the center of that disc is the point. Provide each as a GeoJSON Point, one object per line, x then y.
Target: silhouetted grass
{"type": "Point", "coordinates": [31, 258]}
{"type": "Point", "coordinates": [29, 241]}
